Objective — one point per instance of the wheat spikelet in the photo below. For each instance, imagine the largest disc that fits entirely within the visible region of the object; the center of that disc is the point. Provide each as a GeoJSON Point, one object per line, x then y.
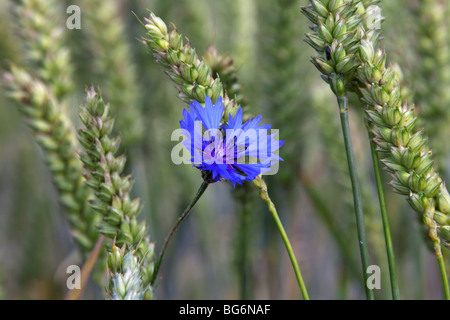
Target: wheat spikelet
{"type": "Point", "coordinates": [53, 131]}
{"type": "Point", "coordinates": [103, 172]}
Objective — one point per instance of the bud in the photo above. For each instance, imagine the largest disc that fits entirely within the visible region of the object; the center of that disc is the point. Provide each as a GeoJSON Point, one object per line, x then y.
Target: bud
{"type": "Point", "coordinates": [125, 234]}
{"type": "Point", "coordinates": [375, 118]}
{"type": "Point", "coordinates": [115, 260]}
{"type": "Point", "coordinates": [340, 28]}
{"type": "Point", "coordinates": [392, 166]}
{"type": "Point", "coordinates": [366, 51]}
{"type": "Point", "coordinates": [396, 154]}
{"type": "Point", "coordinates": [443, 200]}
{"type": "Point", "coordinates": [334, 4]}
{"type": "Point", "coordinates": [379, 60]}
{"type": "Point", "coordinates": [173, 58]}
{"type": "Point", "coordinates": [337, 84]}
{"type": "Point", "coordinates": [409, 158]}
{"type": "Point", "coordinates": [153, 31]}
{"type": "Point", "coordinates": [315, 41]}
{"type": "Point", "coordinates": [441, 219]}
{"type": "Point", "coordinates": [424, 163]}
{"type": "Point", "coordinates": [382, 145]}
{"type": "Point", "coordinates": [388, 80]}
{"type": "Point", "coordinates": [391, 116]}
{"type": "Point", "coordinates": [204, 74]}
{"type": "Point", "coordinates": [403, 177]}
{"type": "Point", "coordinates": [400, 136]}
{"type": "Point", "coordinates": [346, 65]}
{"type": "Point", "coordinates": [159, 44]}
{"type": "Point", "coordinates": [199, 93]}
{"type": "Point", "coordinates": [444, 233]}
{"type": "Point", "coordinates": [395, 97]}
{"type": "Point", "coordinates": [380, 95]}
{"type": "Point", "coordinates": [384, 133]}
{"type": "Point", "coordinates": [114, 217]}
{"type": "Point", "coordinates": [416, 142]}
{"type": "Point", "coordinates": [320, 8]}
{"type": "Point", "coordinates": [323, 66]}
{"type": "Point", "coordinates": [417, 202]}
{"type": "Point", "coordinates": [175, 41]}
{"type": "Point", "coordinates": [324, 33]}
{"type": "Point", "coordinates": [107, 230]}
{"type": "Point", "coordinates": [119, 285]}
{"type": "Point", "coordinates": [158, 22]}
{"type": "Point", "coordinates": [432, 186]}
{"type": "Point", "coordinates": [190, 74]}
{"type": "Point", "coordinates": [416, 183]}
{"type": "Point", "coordinates": [399, 188]}
{"type": "Point", "coordinates": [135, 207]}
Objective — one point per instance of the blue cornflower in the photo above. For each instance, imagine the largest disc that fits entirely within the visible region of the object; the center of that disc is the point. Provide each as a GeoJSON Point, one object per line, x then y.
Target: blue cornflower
{"type": "Point", "coordinates": [236, 151]}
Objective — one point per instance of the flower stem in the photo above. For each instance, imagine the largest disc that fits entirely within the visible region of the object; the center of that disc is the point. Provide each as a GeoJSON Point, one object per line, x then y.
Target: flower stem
{"type": "Point", "coordinates": [364, 250]}
{"type": "Point", "coordinates": [259, 182]}
{"type": "Point", "coordinates": [183, 216]}
{"type": "Point", "coordinates": [384, 216]}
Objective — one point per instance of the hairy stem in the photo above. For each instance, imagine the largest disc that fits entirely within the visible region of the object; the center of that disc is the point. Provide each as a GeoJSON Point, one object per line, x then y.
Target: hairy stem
{"type": "Point", "coordinates": [183, 216]}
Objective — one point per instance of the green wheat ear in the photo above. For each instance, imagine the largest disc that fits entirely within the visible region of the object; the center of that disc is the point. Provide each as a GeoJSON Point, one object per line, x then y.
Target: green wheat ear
{"type": "Point", "coordinates": [354, 54]}
{"type": "Point", "coordinates": [42, 29]}
{"type": "Point", "coordinates": [192, 76]}
{"type": "Point", "coordinates": [104, 175]}
{"type": "Point", "coordinates": [53, 131]}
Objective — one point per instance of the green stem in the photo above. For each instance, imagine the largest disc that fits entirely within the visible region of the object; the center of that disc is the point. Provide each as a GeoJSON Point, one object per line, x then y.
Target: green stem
{"type": "Point", "coordinates": [384, 216]}
{"type": "Point", "coordinates": [259, 182]}
{"type": "Point", "coordinates": [183, 216]}
{"type": "Point", "coordinates": [364, 250]}
{"type": "Point", "coordinates": [441, 263]}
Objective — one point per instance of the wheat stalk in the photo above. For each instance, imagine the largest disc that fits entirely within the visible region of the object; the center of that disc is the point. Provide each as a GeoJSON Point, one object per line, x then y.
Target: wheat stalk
{"type": "Point", "coordinates": [103, 172]}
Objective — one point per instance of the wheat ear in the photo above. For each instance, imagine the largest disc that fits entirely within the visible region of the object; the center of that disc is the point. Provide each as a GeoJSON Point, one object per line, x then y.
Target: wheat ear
{"type": "Point", "coordinates": [53, 131]}
{"type": "Point", "coordinates": [103, 172]}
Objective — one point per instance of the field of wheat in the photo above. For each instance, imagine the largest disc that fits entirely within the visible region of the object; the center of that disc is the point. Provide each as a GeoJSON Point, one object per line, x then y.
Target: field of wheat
{"type": "Point", "coordinates": [234, 149]}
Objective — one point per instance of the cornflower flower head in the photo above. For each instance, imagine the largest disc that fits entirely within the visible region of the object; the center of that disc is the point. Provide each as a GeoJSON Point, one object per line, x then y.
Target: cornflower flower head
{"type": "Point", "coordinates": [235, 151]}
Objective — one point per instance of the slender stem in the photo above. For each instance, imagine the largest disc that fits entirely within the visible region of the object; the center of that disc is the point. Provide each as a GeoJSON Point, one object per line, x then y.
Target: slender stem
{"type": "Point", "coordinates": [183, 216]}
{"type": "Point", "coordinates": [259, 182]}
{"type": "Point", "coordinates": [433, 234]}
{"type": "Point", "coordinates": [386, 227]}
{"type": "Point", "coordinates": [441, 263]}
{"type": "Point", "coordinates": [363, 247]}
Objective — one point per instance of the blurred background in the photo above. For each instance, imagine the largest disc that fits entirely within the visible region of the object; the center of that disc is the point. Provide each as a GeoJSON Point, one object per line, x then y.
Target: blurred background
{"type": "Point", "coordinates": [229, 247]}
